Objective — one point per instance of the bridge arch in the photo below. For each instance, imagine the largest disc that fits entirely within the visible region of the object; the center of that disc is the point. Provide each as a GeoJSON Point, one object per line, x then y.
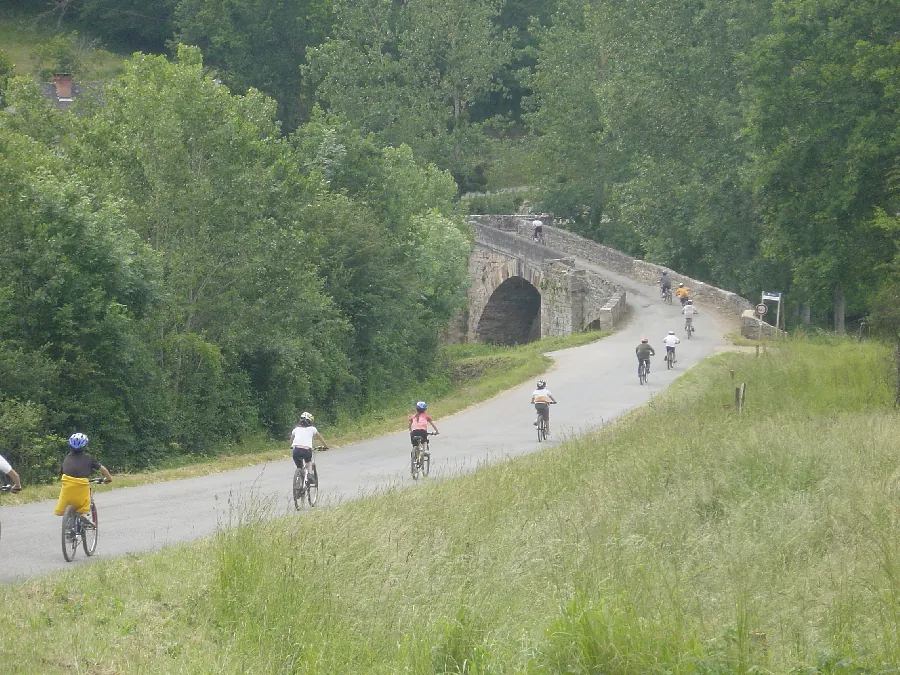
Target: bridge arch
{"type": "Point", "coordinates": [512, 314]}
{"type": "Point", "coordinates": [507, 309]}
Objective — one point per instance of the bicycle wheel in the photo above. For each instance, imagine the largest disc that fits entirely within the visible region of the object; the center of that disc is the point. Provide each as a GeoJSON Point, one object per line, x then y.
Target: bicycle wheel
{"type": "Point", "coordinates": [298, 488]}
{"type": "Point", "coordinates": [669, 361]}
{"type": "Point", "coordinates": [426, 463]}
{"type": "Point", "coordinates": [69, 538]}
{"type": "Point", "coordinates": [414, 462]}
{"type": "Point", "coordinates": [642, 377]}
{"type": "Point", "coordinates": [90, 534]}
{"type": "Point", "coordinates": [312, 488]}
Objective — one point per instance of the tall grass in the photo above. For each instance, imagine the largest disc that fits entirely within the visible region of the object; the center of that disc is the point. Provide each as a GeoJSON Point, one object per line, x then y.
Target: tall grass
{"type": "Point", "coordinates": [686, 538]}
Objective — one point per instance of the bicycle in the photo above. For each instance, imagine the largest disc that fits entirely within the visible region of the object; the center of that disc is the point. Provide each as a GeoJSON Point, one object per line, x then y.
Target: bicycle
{"type": "Point", "coordinates": [420, 457]}
{"type": "Point", "coordinates": [83, 528]}
{"type": "Point", "coordinates": [670, 359]}
{"type": "Point", "coordinates": [688, 326]}
{"type": "Point", "coordinates": [643, 370]}
{"type": "Point", "coordinates": [667, 295]}
{"type": "Point", "coordinates": [542, 427]}
{"type": "Point", "coordinates": [305, 489]}
{"type": "Point", "coordinates": [538, 238]}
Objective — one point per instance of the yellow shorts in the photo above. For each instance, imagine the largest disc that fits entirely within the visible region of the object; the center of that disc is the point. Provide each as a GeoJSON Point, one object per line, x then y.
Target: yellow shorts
{"type": "Point", "coordinates": [74, 491]}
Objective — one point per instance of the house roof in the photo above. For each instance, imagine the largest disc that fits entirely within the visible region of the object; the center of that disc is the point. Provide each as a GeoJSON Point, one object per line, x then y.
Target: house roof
{"type": "Point", "coordinates": [78, 89]}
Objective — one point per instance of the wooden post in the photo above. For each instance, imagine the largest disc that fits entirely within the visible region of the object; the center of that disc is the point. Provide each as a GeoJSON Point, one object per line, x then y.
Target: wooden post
{"type": "Point", "coordinates": [743, 394]}
{"type": "Point", "coordinates": [757, 351]}
{"type": "Point", "coordinates": [732, 374]}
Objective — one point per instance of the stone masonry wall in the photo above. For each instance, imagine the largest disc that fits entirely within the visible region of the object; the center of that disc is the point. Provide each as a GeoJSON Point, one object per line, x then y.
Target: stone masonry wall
{"type": "Point", "coordinates": [571, 244]}
{"type": "Point", "coordinates": [571, 299]}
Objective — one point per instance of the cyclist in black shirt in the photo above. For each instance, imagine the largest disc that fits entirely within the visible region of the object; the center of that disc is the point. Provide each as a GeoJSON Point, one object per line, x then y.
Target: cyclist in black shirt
{"type": "Point", "coordinates": [76, 469]}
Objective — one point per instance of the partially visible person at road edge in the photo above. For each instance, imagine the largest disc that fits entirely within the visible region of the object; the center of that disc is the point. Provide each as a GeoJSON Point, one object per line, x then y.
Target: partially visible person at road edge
{"type": "Point", "coordinates": [302, 438]}
{"type": "Point", "coordinates": [6, 468]}
{"type": "Point", "coordinates": [670, 341]}
{"type": "Point", "coordinates": [418, 423]}
{"type": "Point", "coordinates": [538, 233]}
{"type": "Point", "coordinates": [644, 351]}
{"type": "Point", "coordinates": [683, 293]}
{"type": "Point", "coordinates": [541, 398]}
{"type": "Point", "coordinates": [664, 283]}
{"type": "Point", "coordinates": [688, 310]}
{"type": "Point", "coordinates": [77, 467]}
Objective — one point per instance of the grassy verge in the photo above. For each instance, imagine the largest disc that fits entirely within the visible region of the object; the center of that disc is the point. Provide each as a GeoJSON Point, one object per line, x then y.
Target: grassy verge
{"type": "Point", "coordinates": [473, 373]}
{"type": "Point", "coordinates": [683, 539]}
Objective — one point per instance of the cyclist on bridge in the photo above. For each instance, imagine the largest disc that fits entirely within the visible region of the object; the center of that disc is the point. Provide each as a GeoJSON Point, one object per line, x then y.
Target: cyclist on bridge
{"type": "Point", "coordinates": [664, 283]}
{"type": "Point", "coordinates": [670, 341]}
{"type": "Point", "coordinates": [542, 398]}
{"type": "Point", "coordinates": [302, 438]}
{"type": "Point", "coordinates": [418, 423]}
{"type": "Point", "coordinates": [76, 469]}
{"type": "Point", "coordinates": [644, 351]}
{"type": "Point", "coordinates": [689, 310]}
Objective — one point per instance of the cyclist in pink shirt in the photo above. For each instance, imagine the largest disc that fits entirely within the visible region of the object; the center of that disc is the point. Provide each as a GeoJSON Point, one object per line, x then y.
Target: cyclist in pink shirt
{"type": "Point", "coordinates": [418, 423]}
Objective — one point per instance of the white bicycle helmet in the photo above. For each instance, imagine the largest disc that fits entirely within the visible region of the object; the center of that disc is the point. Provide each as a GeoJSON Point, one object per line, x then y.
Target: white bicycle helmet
{"type": "Point", "coordinates": [78, 441]}
{"type": "Point", "coordinates": [671, 332]}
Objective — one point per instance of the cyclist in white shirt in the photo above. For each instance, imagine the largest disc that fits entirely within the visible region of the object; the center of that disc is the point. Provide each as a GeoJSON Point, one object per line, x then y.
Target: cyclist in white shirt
{"type": "Point", "coordinates": [542, 398]}
{"type": "Point", "coordinates": [670, 341]}
{"type": "Point", "coordinates": [302, 438]}
{"type": "Point", "coordinates": [6, 468]}
{"type": "Point", "coordinates": [688, 310]}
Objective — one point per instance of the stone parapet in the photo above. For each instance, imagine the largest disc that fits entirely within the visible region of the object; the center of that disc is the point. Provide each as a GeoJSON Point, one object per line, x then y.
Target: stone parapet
{"type": "Point", "coordinates": [571, 299]}
{"type": "Point", "coordinates": [564, 242]}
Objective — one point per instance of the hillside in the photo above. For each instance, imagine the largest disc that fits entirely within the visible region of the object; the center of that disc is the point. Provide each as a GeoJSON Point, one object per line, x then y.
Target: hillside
{"type": "Point", "coordinates": [686, 538]}
{"type": "Point", "coordinates": [22, 36]}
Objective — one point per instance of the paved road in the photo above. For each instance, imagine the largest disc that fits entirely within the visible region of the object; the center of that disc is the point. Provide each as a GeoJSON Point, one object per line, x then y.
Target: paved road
{"type": "Point", "coordinates": [593, 385]}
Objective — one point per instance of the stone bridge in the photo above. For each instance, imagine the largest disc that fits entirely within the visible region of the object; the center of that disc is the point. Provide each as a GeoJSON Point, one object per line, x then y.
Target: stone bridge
{"type": "Point", "coordinates": [521, 291]}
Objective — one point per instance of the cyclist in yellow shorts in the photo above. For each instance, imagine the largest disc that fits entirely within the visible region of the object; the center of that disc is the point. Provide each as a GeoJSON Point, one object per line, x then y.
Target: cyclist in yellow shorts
{"type": "Point", "coordinates": [76, 469]}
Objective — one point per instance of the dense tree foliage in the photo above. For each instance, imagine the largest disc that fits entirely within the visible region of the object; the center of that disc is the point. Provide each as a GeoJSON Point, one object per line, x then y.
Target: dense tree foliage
{"type": "Point", "coordinates": [411, 72]}
{"type": "Point", "coordinates": [179, 275]}
{"type": "Point", "coordinates": [210, 247]}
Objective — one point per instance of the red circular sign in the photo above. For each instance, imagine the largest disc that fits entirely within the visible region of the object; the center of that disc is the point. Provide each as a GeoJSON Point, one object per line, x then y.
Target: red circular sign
{"type": "Point", "coordinates": [761, 309]}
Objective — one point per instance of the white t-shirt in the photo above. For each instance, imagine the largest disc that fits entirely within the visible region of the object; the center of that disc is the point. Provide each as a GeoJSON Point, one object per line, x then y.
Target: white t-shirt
{"type": "Point", "coordinates": [671, 340]}
{"type": "Point", "coordinates": [542, 395]}
{"type": "Point", "coordinates": [302, 437]}
{"type": "Point", "coordinates": [688, 310]}
{"type": "Point", "coordinates": [5, 466]}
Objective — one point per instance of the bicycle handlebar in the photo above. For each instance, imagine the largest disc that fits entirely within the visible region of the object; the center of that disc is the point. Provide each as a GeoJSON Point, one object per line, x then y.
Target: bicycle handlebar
{"type": "Point", "coordinates": [98, 481]}
{"type": "Point", "coordinates": [320, 447]}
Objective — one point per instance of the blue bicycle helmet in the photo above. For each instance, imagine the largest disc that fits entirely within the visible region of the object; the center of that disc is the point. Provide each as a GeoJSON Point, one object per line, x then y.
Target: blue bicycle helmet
{"type": "Point", "coordinates": [421, 405]}
{"type": "Point", "coordinates": [78, 441]}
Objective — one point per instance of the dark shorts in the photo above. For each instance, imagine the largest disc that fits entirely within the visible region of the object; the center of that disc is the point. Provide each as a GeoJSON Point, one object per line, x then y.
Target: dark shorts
{"type": "Point", "coordinates": [418, 433]}
{"type": "Point", "coordinates": [669, 349]}
{"type": "Point", "coordinates": [301, 454]}
{"type": "Point", "coordinates": [665, 286]}
{"type": "Point", "coordinates": [538, 229]}
{"type": "Point", "coordinates": [543, 409]}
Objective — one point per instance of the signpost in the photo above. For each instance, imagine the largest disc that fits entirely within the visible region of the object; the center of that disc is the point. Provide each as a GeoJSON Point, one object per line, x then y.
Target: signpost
{"type": "Point", "coordinates": [762, 309]}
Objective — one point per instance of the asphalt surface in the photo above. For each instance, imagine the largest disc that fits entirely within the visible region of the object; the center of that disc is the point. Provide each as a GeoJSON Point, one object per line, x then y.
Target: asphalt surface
{"type": "Point", "coordinates": [593, 384]}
